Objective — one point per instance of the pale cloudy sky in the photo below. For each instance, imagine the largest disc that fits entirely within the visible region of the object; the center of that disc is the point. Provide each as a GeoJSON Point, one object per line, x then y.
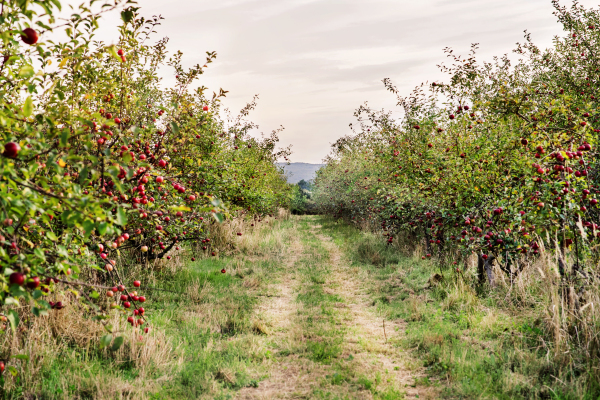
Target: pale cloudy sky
{"type": "Point", "coordinates": [313, 62]}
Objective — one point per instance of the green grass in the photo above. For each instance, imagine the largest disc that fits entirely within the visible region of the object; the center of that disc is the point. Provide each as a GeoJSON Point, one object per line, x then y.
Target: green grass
{"type": "Point", "coordinates": [471, 344]}
{"type": "Point", "coordinates": [483, 346]}
{"type": "Point", "coordinates": [198, 311]}
{"type": "Point", "coordinates": [321, 322]}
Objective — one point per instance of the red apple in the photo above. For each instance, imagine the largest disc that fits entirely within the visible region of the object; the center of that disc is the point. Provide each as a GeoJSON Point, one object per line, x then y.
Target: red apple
{"type": "Point", "coordinates": [11, 150]}
{"type": "Point", "coordinates": [30, 36]}
{"type": "Point", "coordinates": [33, 283]}
{"type": "Point", "coordinates": [17, 278]}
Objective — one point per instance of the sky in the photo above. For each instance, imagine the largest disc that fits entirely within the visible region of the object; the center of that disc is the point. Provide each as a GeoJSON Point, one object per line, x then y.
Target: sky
{"type": "Point", "coordinates": [313, 62]}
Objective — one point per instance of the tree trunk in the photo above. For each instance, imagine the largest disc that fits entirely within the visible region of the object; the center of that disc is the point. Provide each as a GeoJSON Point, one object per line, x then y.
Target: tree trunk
{"type": "Point", "coordinates": [485, 266]}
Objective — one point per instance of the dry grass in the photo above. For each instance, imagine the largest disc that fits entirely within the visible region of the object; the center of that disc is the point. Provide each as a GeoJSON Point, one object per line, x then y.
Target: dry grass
{"type": "Point", "coordinates": [42, 339]}
{"type": "Point", "coordinates": [563, 308]}
{"type": "Point", "coordinates": [571, 315]}
{"type": "Point", "coordinates": [460, 298]}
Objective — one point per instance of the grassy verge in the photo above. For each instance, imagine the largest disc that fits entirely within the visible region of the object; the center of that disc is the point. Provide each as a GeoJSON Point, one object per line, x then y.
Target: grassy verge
{"type": "Point", "coordinates": [473, 345]}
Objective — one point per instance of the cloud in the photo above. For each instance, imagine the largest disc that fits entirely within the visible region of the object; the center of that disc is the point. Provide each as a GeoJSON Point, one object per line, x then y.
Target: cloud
{"type": "Point", "coordinates": [314, 61]}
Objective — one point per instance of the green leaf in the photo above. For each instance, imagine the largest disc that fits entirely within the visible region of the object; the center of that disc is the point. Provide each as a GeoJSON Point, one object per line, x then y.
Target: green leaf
{"type": "Point", "coordinates": [174, 128]}
{"type": "Point", "coordinates": [13, 318]}
{"type": "Point", "coordinates": [39, 253]}
{"type": "Point", "coordinates": [13, 370]}
{"type": "Point", "coordinates": [11, 301]}
{"type": "Point", "coordinates": [37, 294]}
{"type": "Point", "coordinates": [121, 217]}
{"type": "Point", "coordinates": [83, 175]}
{"type": "Point", "coordinates": [117, 343]}
{"type": "Point", "coordinates": [94, 295]}
{"type": "Point", "coordinates": [64, 137]}
{"type": "Point", "coordinates": [39, 312]}
{"type": "Point", "coordinates": [105, 340]}
{"type": "Point", "coordinates": [28, 107]}
{"type": "Point", "coordinates": [218, 217]}
{"type": "Point", "coordinates": [113, 52]}
{"type": "Point", "coordinates": [88, 227]}
{"type": "Point", "coordinates": [26, 71]}
{"type": "Point", "coordinates": [50, 235]}
{"type": "Point", "coordinates": [57, 4]}
{"type": "Point", "coordinates": [21, 357]}
{"type": "Point", "coordinates": [102, 228]}
{"type": "Point", "coordinates": [127, 15]}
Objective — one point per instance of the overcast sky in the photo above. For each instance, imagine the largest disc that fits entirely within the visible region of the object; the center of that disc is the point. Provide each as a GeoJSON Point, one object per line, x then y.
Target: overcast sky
{"type": "Point", "coordinates": [313, 62]}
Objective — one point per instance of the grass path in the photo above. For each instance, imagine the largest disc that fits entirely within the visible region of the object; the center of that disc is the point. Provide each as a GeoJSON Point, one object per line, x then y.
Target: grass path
{"type": "Point", "coordinates": [300, 314]}
{"type": "Point", "coordinates": [327, 339]}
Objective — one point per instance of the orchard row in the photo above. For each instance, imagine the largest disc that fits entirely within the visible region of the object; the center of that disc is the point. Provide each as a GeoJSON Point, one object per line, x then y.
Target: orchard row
{"type": "Point", "coordinates": [501, 161]}
{"type": "Point", "coordinates": [100, 161]}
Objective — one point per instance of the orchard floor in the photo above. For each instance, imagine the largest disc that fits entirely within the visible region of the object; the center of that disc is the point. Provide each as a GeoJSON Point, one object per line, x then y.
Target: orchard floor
{"type": "Point", "coordinates": [309, 308]}
{"type": "Point", "coordinates": [323, 330]}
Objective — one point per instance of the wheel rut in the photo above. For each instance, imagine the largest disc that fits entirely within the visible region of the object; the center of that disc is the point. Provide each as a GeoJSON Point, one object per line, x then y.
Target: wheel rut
{"type": "Point", "coordinates": [366, 344]}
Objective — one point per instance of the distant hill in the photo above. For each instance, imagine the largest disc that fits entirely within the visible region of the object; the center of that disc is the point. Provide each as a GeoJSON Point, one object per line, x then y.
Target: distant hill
{"type": "Point", "coordinates": [295, 172]}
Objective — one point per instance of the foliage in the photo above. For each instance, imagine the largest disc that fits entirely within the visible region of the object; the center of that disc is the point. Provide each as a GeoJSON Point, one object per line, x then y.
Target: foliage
{"type": "Point", "coordinates": [301, 202]}
{"type": "Point", "coordinates": [100, 161]}
{"type": "Point", "coordinates": [508, 164]}
{"type": "Point", "coordinates": [500, 161]}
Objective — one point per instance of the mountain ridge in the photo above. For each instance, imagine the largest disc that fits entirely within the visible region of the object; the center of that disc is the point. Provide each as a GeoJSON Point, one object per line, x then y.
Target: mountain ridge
{"type": "Point", "coordinates": [295, 172]}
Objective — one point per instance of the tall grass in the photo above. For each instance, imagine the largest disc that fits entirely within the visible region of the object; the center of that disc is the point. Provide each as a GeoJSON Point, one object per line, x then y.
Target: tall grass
{"type": "Point", "coordinates": [534, 334]}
